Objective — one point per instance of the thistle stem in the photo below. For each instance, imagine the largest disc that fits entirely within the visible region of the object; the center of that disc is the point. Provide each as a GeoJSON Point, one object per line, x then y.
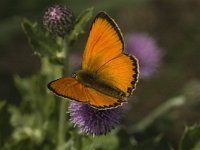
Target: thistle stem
{"type": "Point", "coordinates": [62, 124]}
{"type": "Point", "coordinates": [158, 112]}
{"type": "Point", "coordinates": [63, 104]}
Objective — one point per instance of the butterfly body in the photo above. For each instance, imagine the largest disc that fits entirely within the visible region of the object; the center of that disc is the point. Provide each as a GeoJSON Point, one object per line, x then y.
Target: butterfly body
{"type": "Point", "coordinates": [91, 80]}
{"type": "Point", "coordinates": [108, 75]}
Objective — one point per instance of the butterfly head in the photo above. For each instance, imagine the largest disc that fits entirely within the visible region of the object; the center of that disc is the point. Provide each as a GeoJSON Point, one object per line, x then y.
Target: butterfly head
{"type": "Point", "coordinates": [74, 75]}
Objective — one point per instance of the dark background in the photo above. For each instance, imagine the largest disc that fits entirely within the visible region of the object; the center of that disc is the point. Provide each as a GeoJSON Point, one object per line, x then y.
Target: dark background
{"type": "Point", "coordinates": [174, 24]}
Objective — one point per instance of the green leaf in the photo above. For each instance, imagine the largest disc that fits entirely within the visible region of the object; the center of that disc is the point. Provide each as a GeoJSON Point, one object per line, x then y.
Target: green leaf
{"type": "Point", "coordinates": [191, 138]}
{"type": "Point", "coordinates": [2, 104]}
{"type": "Point", "coordinates": [68, 145]}
{"type": "Point", "coordinates": [106, 142]}
{"type": "Point", "coordinates": [26, 126]}
{"type": "Point", "coordinates": [41, 42]}
{"type": "Point", "coordinates": [80, 24]}
{"type": "Point", "coordinates": [34, 92]}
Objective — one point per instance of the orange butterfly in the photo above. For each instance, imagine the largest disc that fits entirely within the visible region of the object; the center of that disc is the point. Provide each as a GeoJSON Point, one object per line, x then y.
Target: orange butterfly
{"type": "Point", "coordinates": [108, 75]}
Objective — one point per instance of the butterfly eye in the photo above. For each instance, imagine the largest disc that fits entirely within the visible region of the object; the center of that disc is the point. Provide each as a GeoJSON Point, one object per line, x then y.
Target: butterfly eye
{"type": "Point", "coordinates": [121, 94]}
{"type": "Point", "coordinates": [74, 75]}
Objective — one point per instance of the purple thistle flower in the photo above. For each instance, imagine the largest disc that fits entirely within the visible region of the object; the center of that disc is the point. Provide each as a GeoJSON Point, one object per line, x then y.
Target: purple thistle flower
{"type": "Point", "coordinates": [58, 19]}
{"type": "Point", "coordinates": [145, 49]}
{"type": "Point", "coordinates": [94, 121]}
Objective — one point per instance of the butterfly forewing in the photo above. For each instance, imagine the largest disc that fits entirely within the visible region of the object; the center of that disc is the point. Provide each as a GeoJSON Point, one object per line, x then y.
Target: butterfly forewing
{"type": "Point", "coordinates": [71, 88]}
{"type": "Point", "coordinates": [104, 43]}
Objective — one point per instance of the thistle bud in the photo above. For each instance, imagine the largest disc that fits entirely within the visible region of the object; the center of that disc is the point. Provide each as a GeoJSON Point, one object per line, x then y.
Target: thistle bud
{"type": "Point", "coordinates": [58, 20]}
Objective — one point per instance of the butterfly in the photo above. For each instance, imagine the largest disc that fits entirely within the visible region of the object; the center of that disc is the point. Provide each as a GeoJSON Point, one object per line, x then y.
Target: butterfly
{"type": "Point", "coordinates": [108, 75]}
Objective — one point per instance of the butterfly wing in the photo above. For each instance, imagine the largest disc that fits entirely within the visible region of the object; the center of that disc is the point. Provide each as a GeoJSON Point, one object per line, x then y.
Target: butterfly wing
{"type": "Point", "coordinates": [121, 72]}
{"type": "Point", "coordinates": [104, 55]}
{"type": "Point", "coordinates": [104, 43]}
{"type": "Point", "coordinates": [70, 88]}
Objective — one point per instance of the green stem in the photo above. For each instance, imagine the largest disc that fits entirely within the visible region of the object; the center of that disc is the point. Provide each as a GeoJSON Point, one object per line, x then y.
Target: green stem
{"type": "Point", "coordinates": [79, 142]}
{"type": "Point", "coordinates": [158, 112]}
{"type": "Point", "coordinates": [63, 104]}
{"type": "Point", "coordinates": [62, 124]}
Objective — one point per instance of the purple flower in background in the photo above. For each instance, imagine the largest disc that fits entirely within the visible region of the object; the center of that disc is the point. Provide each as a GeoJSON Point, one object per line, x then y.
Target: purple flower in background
{"type": "Point", "coordinates": [75, 60]}
{"type": "Point", "coordinates": [94, 121]}
{"type": "Point", "coordinates": [145, 49]}
{"type": "Point", "coordinates": [58, 19]}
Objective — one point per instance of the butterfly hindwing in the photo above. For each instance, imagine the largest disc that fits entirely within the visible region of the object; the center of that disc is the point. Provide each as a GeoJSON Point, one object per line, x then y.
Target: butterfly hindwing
{"type": "Point", "coordinates": [69, 87]}
{"type": "Point", "coordinates": [121, 72]}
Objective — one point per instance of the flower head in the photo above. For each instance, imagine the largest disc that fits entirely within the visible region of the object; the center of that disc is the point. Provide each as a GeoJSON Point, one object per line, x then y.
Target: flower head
{"type": "Point", "coordinates": [93, 121]}
{"type": "Point", "coordinates": [58, 19]}
{"type": "Point", "coordinates": [146, 51]}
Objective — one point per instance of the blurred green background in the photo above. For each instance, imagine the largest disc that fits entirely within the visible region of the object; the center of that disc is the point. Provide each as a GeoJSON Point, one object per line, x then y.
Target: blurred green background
{"type": "Point", "coordinates": [174, 24]}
